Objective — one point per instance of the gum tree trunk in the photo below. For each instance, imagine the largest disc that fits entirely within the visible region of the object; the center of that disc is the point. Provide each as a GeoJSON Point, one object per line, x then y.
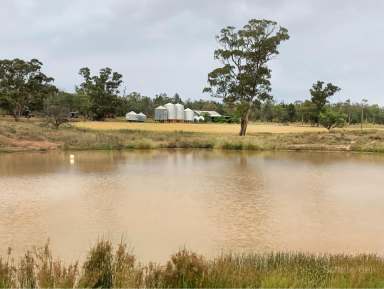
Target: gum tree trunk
{"type": "Point", "coordinates": [17, 112]}
{"type": "Point", "coordinates": [244, 123]}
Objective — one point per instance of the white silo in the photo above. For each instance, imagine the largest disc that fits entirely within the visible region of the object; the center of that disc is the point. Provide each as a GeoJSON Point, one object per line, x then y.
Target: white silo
{"type": "Point", "coordinates": [131, 116]}
{"type": "Point", "coordinates": [201, 118]}
{"type": "Point", "coordinates": [188, 115]}
{"type": "Point", "coordinates": [171, 111]}
{"type": "Point", "coordinates": [196, 118]}
{"type": "Point", "coordinates": [161, 113]}
{"type": "Point", "coordinates": [141, 117]}
{"type": "Point", "coordinates": [179, 111]}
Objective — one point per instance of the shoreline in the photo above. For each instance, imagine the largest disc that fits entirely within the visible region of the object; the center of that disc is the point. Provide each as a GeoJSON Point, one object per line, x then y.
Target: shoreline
{"type": "Point", "coordinates": [35, 136]}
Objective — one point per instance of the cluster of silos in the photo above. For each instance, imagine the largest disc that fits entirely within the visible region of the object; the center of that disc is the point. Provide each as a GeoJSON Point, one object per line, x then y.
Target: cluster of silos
{"type": "Point", "coordinates": [176, 113]}
{"type": "Point", "coordinates": [135, 117]}
{"type": "Point", "coordinates": [172, 113]}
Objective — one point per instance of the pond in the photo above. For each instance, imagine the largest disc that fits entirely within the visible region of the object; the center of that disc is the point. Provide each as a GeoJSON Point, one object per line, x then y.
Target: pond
{"type": "Point", "coordinates": [208, 201]}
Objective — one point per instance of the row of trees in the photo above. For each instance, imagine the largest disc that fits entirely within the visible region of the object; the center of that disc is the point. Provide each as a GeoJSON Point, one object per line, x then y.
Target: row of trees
{"type": "Point", "coordinates": [23, 87]}
{"type": "Point", "coordinates": [304, 112]}
{"type": "Point", "coordinates": [242, 81]}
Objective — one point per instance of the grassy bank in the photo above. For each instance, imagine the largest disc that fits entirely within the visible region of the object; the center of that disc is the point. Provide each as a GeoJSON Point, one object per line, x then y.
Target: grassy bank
{"type": "Point", "coordinates": [109, 267]}
{"type": "Point", "coordinates": [36, 135]}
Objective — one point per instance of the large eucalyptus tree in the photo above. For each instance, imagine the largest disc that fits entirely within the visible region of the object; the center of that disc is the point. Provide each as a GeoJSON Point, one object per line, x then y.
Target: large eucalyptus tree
{"type": "Point", "coordinates": [243, 79]}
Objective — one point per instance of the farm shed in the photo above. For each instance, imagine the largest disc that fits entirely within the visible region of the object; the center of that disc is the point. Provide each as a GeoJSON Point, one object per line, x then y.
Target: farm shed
{"type": "Point", "coordinates": [211, 114]}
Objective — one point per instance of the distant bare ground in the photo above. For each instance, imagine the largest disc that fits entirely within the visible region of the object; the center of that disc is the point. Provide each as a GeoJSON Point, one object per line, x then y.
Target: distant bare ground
{"type": "Point", "coordinates": [215, 128]}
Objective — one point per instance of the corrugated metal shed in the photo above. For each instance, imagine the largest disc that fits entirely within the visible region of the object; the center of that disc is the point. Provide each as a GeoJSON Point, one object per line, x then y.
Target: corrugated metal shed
{"type": "Point", "coordinates": [211, 113]}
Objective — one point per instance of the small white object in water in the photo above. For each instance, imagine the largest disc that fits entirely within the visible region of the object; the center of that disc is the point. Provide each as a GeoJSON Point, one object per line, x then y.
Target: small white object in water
{"type": "Point", "coordinates": [71, 157]}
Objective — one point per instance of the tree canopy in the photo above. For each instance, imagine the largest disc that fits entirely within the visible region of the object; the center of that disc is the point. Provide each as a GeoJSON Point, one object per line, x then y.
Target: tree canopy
{"type": "Point", "coordinates": [320, 96]}
{"type": "Point", "coordinates": [102, 90]}
{"type": "Point", "coordinates": [22, 85]}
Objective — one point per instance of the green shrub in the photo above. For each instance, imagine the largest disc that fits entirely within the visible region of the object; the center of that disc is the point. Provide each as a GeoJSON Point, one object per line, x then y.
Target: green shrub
{"type": "Point", "coordinates": [330, 119]}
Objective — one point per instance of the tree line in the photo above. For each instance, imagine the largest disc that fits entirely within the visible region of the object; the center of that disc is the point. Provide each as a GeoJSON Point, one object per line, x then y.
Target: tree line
{"type": "Point", "coordinates": [242, 82]}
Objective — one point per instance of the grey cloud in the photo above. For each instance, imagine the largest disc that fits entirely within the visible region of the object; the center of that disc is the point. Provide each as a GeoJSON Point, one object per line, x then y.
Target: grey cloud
{"type": "Point", "coordinates": [167, 45]}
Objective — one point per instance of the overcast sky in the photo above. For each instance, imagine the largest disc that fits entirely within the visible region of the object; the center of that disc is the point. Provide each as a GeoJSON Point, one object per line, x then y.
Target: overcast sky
{"type": "Point", "coordinates": [167, 45]}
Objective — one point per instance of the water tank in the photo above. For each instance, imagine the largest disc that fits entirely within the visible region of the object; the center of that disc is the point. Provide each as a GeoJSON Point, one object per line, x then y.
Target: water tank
{"type": "Point", "coordinates": [131, 116]}
{"type": "Point", "coordinates": [179, 111]}
{"type": "Point", "coordinates": [141, 117]}
{"type": "Point", "coordinates": [171, 109]}
{"type": "Point", "coordinates": [188, 114]}
{"type": "Point", "coordinates": [161, 113]}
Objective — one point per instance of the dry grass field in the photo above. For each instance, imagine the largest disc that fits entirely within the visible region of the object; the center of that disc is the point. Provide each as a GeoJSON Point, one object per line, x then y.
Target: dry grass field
{"type": "Point", "coordinates": [35, 134]}
{"type": "Point", "coordinates": [214, 128]}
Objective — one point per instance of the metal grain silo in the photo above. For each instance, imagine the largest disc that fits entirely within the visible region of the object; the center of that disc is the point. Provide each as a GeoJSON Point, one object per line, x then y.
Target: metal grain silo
{"type": "Point", "coordinates": [171, 111]}
{"type": "Point", "coordinates": [196, 118]}
{"type": "Point", "coordinates": [161, 113]}
{"type": "Point", "coordinates": [188, 115]}
{"type": "Point", "coordinates": [141, 117]}
{"type": "Point", "coordinates": [131, 116]}
{"type": "Point", "coordinates": [179, 111]}
{"type": "Point", "coordinates": [201, 118]}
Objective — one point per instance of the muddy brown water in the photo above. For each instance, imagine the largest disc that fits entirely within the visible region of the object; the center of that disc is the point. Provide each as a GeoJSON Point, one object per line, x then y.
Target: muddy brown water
{"type": "Point", "coordinates": [208, 201]}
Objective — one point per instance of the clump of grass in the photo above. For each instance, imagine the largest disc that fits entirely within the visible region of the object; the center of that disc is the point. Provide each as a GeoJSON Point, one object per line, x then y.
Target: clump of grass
{"type": "Point", "coordinates": [185, 270]}
{"type": "Point", "coordinates": [53, 274]}
{"type": "Point", "coordinates": [97, 269]}
{"type": "Point", "coordinates": [7, 272]}
{"type": "Point", "coordinates": [125, 272]}
{"type": "Point", "coordinates": [104, 269]}
{"type": "Point", "coordinates": [240, 145]}
{"type": "Point", "coordinates": [26, 275]}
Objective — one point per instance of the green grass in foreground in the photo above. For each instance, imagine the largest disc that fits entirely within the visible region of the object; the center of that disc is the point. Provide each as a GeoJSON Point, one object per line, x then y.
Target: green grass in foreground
{"type": "Point", "coordinates": [108, 267]}
{"type": "Point", "coordinates": [35, 135]}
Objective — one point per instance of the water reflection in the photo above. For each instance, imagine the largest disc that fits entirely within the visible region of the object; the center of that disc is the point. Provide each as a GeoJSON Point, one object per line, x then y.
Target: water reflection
{"type": "Point", "coordinates": [207, 200]}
